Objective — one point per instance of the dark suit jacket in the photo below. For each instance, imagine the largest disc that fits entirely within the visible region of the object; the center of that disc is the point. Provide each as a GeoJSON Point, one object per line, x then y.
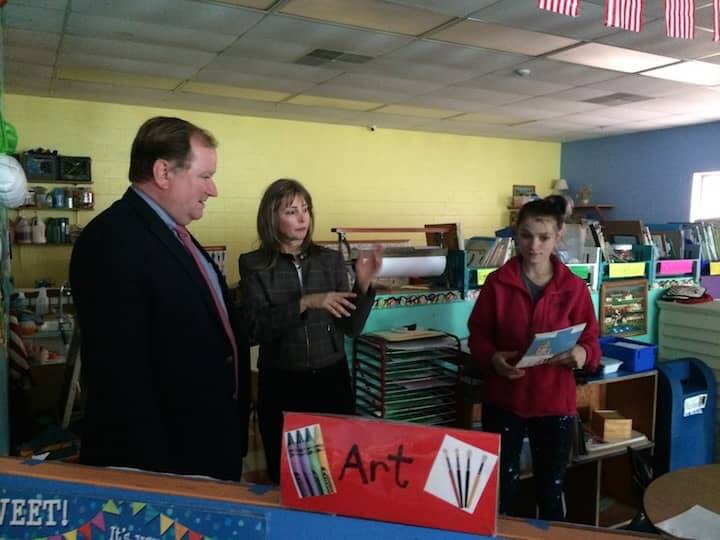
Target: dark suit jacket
{"type": "Point", "coordinates": [157, 364]}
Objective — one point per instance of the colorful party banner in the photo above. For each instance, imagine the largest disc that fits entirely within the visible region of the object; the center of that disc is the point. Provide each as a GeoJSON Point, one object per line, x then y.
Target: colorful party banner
{"type": "Point", "coordinates": [58, 513]}
{"type": "Point", "coordinates": [405, 473]}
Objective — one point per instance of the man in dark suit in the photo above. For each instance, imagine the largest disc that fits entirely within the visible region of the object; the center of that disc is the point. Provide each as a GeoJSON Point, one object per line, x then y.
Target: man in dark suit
{"type": "Point", "coordinates": [165, 366]}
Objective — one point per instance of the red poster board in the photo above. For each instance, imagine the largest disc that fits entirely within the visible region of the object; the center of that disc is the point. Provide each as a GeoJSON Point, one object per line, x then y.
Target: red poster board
{"type": "Point", "coordinates": [406, 473]}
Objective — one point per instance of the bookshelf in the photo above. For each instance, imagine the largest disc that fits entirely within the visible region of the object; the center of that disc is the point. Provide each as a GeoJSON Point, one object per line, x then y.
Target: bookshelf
{"type": "Point", "coordinates": [598, 487]}
{"type": "Point", "coordinates": [584, 210]}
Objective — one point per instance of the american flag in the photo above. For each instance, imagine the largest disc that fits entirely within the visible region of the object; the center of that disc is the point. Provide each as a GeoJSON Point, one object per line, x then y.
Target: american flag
{"type": "Point", "coordinates": [563, 7]}
{"type": "Point", "coordinates": [626, 14]}
{"type": "Point", "coordinates": [716, 17]}
{"type": "Point", "coordinates": [680, 18]}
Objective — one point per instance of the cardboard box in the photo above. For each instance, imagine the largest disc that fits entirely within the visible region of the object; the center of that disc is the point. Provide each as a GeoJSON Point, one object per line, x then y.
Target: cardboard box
{"type": "Point", "coordinates": [610, 426]}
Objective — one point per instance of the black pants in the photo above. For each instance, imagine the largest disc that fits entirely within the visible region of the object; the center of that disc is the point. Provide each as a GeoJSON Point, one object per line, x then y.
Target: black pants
{"type": "Point", "coordinates": [550, 442]}
{"type": "Point", "coordinates": [326, 390]}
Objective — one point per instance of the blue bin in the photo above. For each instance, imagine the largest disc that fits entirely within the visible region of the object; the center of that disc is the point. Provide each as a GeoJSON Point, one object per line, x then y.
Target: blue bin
{"type": "Point", "coordinates": [685, 428]}
{"type": "Point", "coordinates": [639, 357]}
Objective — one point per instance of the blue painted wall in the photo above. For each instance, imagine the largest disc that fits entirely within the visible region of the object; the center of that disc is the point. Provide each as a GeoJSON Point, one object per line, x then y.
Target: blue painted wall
{"type": "Point", "coordinates": [645, 175]}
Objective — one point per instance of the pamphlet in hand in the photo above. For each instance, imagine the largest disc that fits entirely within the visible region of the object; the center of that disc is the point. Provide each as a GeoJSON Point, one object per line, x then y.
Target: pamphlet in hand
{"type": "Point", "coordinates": [548, 344]}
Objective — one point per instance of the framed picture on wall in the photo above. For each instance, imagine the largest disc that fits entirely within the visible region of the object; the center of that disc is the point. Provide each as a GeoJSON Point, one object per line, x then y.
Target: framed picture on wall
{"type": "Point", "coordinates": [623, 307]}
{"type": "Point", "coordinates": [523, 190]}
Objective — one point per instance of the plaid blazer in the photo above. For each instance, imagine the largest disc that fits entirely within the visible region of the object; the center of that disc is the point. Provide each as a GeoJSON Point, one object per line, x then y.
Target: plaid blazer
{"type": "Point", "coordinates": [270, 309]}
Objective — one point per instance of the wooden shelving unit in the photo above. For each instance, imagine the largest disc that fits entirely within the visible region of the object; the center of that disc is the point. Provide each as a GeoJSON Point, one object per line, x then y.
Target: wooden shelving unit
{"type": "Point", "coordinates": [597, 209]}
{"type": "Point", "coordinates": [599, 488]}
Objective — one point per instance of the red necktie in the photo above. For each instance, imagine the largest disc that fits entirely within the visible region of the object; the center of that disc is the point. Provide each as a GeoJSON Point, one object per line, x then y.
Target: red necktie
{"type": "Point", "coordinates": [184, 236]}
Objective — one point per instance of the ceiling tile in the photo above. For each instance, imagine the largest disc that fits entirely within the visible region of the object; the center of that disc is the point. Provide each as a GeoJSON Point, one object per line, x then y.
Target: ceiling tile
{"type": "Point", "coordinates": [643, 86]}
{"type": "Point", "coordinates": [288, 38]}
{"type": "Point", "coordinates": [704, 16]}
{"type": "Point", "coordinates": [34, 40]}
{"type": "Point", "coordinates": [677, 105]}
{"type": "Point", "coordinates": [418, 72]}
{"type": "Point", "coordinates": [580, 93]}
{"type": "Point", "coordinates": [251, 80]}
{"type": "Point", "coordinates": [555, 105]}
{"type": "Point", "coordinates": [542, 69]}
{"type": "Point", "coordinates": [257, 4]}
{"type": "Point", "coordinates": [525, 113]}
{"type": "Point", "coordinates": [14, 69]}
{"type": "Point", "coordinates": [456, 8]}
{"type": "Point", "coordinates": [473, 60]}
{"type": "Point", "coordinates": [229, 56]}
{"type": "Point", "coordinates": [693, 118]}
{"type": "Point", "coordinates": [389, 84]}
{"type": "Point", "coordinates": [652, 9]}
{"type": "Point", "coordinates": [305, 112]}
{"type": "Point", "coordinates": [94, 91]}
{"type": "Point", "coordinates": [654, 39]}
{"type": "Point", "coordinates": [556, 124]}
{"type": "Point", "coordinates": [502, 38]}
{"type": "Point", "coordinates": [28, 87]}
{"type": "Point", "coordinates": [386, 120]}
{"type": "Point", "coordinates": [136, 51]}
{"type": "Point", "coordinates": [477, 95]}
{"type": "Point", "coordinates": [151, 69]}
{"type": "Point", "coordinates": [693, 72]}
{"type": "Point", "coordinates": [368, 14]}
{"type": "Point", "coordinates": [116, 78]}
{"type": "Point", "coordinates": [220, 104]}
{"type": "Point", "coordinates": [27, 77]}
{"type": "Point", "coordinates": [448, 104]}
{"type": "Point", "coordinates": [232, 91]}
{"type": "Point", "coordinates": [602, 117]}
{"type": "Point", "coordinates": [333, 103]}
{"type": "Point", "coordinates": [272, 69]}
{"type": "Point", "coordinates": [359, 94]}
{"type": "Point", "coordinates": [631, 112]}
{"type": "Point", "coordinates": [416, 111]}
{"type": "Point", "coordinates": [32, 18]}
{"type": "Point", "coordinates": [474, 129]}
{"type": "Point", "coordinates": [42, 4]}
{"type": "Point", "coordinates": [515, 85]}
{"type": "Point", "coordinates": [185, 14]}
{"type": "Point", "coordinates": [499, 118]}
{"type": "Point", "coordinates": [525, 14]}
{"type": "Point", "coordinates": [614, 58]}
{"type": "Point", "coordinates": [28, 55]}
{"type": "Point", "coordinates": [123, 29]}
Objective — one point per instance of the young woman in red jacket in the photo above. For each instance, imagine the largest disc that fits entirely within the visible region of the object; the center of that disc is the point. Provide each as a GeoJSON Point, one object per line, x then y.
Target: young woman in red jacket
{"type": "Point", "coordinates": [533, 292]}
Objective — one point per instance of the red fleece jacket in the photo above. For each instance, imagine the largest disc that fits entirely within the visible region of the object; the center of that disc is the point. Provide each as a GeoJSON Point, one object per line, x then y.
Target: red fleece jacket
{"type": "Point", "coordinates": [505, 319]}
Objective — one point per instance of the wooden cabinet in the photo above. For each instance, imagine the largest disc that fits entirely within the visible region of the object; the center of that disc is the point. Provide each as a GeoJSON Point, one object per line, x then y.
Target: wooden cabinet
{"type": "Point", "coordinates": [599, 488]}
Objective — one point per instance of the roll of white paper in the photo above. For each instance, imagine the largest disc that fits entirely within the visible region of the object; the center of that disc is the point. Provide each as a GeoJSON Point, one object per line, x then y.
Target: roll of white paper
{"type": "Point", "coordinates": [412, 266]}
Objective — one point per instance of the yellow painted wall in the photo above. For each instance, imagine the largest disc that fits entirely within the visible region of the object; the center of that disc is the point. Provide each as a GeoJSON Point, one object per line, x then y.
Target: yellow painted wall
{"type": "Point", "coordinates": [357, 177]}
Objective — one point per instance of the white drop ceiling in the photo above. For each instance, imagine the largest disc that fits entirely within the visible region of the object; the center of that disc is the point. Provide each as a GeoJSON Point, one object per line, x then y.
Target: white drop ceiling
{"type": "Point", "coordinates": [499, 68]}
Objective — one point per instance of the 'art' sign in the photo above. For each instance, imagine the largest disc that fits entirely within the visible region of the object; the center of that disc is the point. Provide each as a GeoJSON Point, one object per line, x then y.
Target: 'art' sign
{"type": "Point", "coordinates": [429, 476]}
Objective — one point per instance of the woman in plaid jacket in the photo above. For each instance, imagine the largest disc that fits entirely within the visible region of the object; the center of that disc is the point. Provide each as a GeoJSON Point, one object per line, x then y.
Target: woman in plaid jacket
{"type": "Point", "coordinates": [297, 305]}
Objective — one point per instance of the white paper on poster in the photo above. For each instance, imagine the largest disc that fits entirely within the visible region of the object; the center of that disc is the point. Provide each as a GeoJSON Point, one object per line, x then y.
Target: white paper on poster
{"type": "Point", "coordinates": [412, 266]}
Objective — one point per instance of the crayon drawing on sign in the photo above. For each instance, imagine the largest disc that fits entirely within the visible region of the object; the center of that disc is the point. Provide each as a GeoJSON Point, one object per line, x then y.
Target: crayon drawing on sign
{"type": "Point", "coordinates": [308, 461]}
{"type": "Point", "coordinates": [460, 473]}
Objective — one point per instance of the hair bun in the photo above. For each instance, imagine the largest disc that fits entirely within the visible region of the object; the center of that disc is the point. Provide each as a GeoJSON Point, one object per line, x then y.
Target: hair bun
{"type": "Point", "coordinates": [560, 204]}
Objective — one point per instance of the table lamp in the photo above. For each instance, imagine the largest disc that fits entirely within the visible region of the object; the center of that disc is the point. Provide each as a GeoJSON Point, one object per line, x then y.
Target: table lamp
{"type": "Point", "coordinates": [560, 187]}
